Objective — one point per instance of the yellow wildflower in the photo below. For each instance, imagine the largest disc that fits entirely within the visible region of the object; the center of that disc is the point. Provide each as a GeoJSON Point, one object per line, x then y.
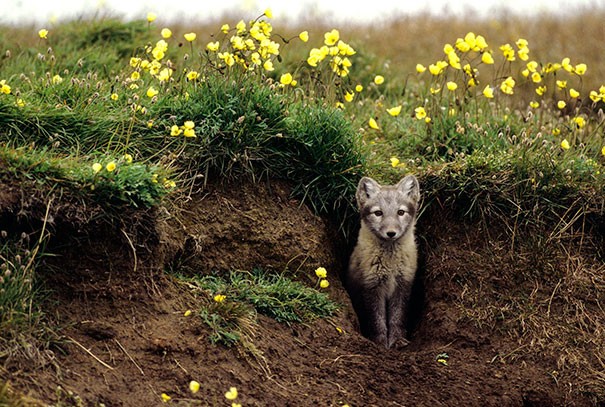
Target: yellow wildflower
{"type": "Point", "coordinates": [508, 52]}
{"type": "Point", "coordinates": [561, 104]}
{"type": "Point", "coordinates": [213, 46]}
{"type": "Point", "coordinates": [324, 283]}
{"type": "Point", "coordinates": [331, 37]}
{"type": "Point", "coordinates": [394, 162]}
{"type": "Point", "coordinates": [580, 69]}
{"type": "Point", "coordinates": [175, 130]}
{"type": "Point", "coordinates": [574, 93]}
{"type": "Point", "coordinates": [379, 79]}
{"type": "Point", "coordinates": [536, 77]}
{"type": "Point", "coordinates": [420, 68]}
{"type": "Point", "coordinates": [43, 33]}
{"type": "Point", "coordinates": [508, 85]}
{"type": "Point", "coordinates": [166, 33]}
{"type": "Point", "coordinates": [534, 105]}
{"type": "Point", "coordinates": [579, 122]}
{"type": "Point", "coordinates": [114, 96]}
{"type": "Point", "coordinates": [194, 386]}
{"type": "Point", "coordinates": [111, 166]}
{"type": "Point", "coordinates": [541, 90]}
{"type": "Point", "coordinates": [561, 84]}
{"type": "Point", "coordinates": [603, 151]}
{"type": "Point", "coordinates": [128, 158]}
{"type": "Point", "coordinates": [220, 298]}
{"type": "Point", "coordinates": [321, 272]}
{"type": "Point", "coordinates": [286, 79]}
{"type": "Point", "coordinates": [151, 17]}
{"type": "Point", "coordinates": [565, 144]}
{"type": "Point", "coordinates": [190, 36]}
{"type": "Point", "coordinates": [372, 123]}
{"type": "Point", "coordinates": [151, 92]}
{"type": "Point", "coordinates": [192, 75]}
{"type": "Point", "coordinates": [488, 92]}
{"type": "Point", "coordinates": [268, 13]}
{"type": "Point", "coordinates": [268, 65]}
{"type": "Point", "coordinates": [349, 96]}
{"type": "Point", "coordinates": [225, 28]}
{"type": "Point", "coordinates": [358, 88]}
{"type": "Point", "coordinates": [394, 111]}
{"type": "Point", "coordinates": [304, 36]}
{"type": "Point", "coordinates": [4, 87]}
{"type": "Point", "coordinates": [165, 398]}
{"type": "Point", "coordinates": [420, 113]}
{"type": "Point", "coordinates": [20, 102]}
{"type": "Point", "coordinates": [452, 86]}
{"type": "Point", "coordinates": [96, 167]}
{"type": "Point", "coordinates": [57, 79]}
{"type": "Point", "coordinates": [231, 394]}
{"type": "Point", "coordinates": [487, 58]}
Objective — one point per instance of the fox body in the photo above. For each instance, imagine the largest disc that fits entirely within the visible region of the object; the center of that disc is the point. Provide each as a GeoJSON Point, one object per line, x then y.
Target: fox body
{"type": "Point", "coordinates": [383, 264]}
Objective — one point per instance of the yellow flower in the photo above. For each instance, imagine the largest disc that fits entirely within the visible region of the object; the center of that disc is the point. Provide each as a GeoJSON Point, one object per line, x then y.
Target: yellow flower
{"type": "Point", "coordinates": [268, 13]}
{"type": "Point", "coordinates": [452, 86]}
{"type": "Point", "coordinates": [561, 84]}
{"type": "Point", "coordinates": [151, 92]}
{"type": "Point", "coordinates": [190, 36]}
{"type": "Point", "coordinates": [220, 298]}
{"type": "Point", "coordinates": [372, 123]}
{"type": "Point", "coordinates": [349, 96]}
{"type": "Point", "coordinates": [111, 166]}
{"type": "Point", "coordinates": [128, 158]}
{"type": "Point", "coordinates": [580, 69]}
{"type": "Point", "coordinates": [565, 144]}
{"type": "Point", "coordinates": [574, 93]}
{"type": "Point", "coordinates": [508, 52]}
{"type": "Point", "coordinates": [268, 65]}
{"type": "Point", "coordinates": [189, 133]}
{"type": "Point", "coordinates": [225, 28]}
{"type": "Point", "coordinates": [324, 283]}
{"type": "Point", "coordinates": [394, 111]}
{"type": "Point", "coordinates": [603, 151]}
{"type": "Point", "coordinates": [420, 68]}
{"type": "Point", "coordinates": [43, 33]}
{"type": "Point", "coordinates": [561, 104]}
{"type": "Point", "coordinates": [213, 46]}
{"type": "Point", "coordinates": [508, 85]}
{"type": "Point", "coordinates": [187, 313]}
{"type": "Point", "coordinates": [394, 162]}
{"type": "Point", "coordinates": [231, 394]}
{"type": "Point", "coordinates": [534, 104]}
{"type": "Point", "coordinates": [488, 92]}
{"type": "Point", "coordinates": [166, 33]}
{"type": "Point", "coordinates": [420, 113]}
{"type": "Point", "coordinates": [192, 75]}
{"type": "Point", "coordinates": [487, 58]}
{"type": "Point", "coordinates": [331, 37]}
{"type": "Point", "coordinates": [96, 167]}
{"type": "Point", "coordinates": [556, 131]}
{"type": "Point", "coordinates": [175, 130]}
{"type": "Point", "coordinates": [536, 77]}
{"type": "Point", "coordinates": [304, 36]}
{"type": "Point", "coordinates": [379, 79]}
{"type": "Point", "coordinates": [321, 272]}
{"type": "Point", "coordinates": [358, 88]}
{"type": "Point", "coordinates": [4, 87]}
{"type": "Point", "coordinates": [20, 102]}
{"type": "Point", "coordinates": [194, 386]}
{"type": "Point", "coordinates": [541, 90]}
{"type": "Point", "coordinates": [579, 122]}
{"type": "Point", "coordinates": [57, 79]}
{"type": "Point", "coordinates": [286, 79]}
{"type": "Point", "coordinates": [114, 96]}
{"type": "Point", "coordinates": [151, 17]}
{"type": "Point", "coordinates": [165, 398]}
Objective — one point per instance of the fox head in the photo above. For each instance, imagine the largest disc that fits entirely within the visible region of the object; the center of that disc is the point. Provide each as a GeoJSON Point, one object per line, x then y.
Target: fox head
{"type": "Point", "coordinates": [388, 211]}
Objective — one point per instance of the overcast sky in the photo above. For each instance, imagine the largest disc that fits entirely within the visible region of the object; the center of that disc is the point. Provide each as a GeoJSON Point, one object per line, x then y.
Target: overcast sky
{"type": "Point", "coordinates": [45, 11]}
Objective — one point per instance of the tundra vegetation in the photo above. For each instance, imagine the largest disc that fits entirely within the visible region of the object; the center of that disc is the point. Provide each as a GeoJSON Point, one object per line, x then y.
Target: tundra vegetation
{"type": "Point", "coordinates": [501, 120]}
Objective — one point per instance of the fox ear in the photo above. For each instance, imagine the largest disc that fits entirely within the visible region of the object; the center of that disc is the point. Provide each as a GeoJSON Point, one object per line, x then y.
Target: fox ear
{"type": "Point", "coordinates": [410, 188]}
{"type": "Point", "coordinates": [366, 189]}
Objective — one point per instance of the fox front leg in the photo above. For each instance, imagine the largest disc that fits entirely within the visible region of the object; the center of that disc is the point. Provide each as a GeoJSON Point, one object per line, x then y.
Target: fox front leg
{"type": "Point", "coordinates": [397, 307]}
{"type": "Point", "coordinates": [375, 324]}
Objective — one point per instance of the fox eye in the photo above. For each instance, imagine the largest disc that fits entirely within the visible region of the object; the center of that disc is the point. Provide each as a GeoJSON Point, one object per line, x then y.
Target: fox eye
{"type": "Point", "coordinates": [378, 213]}
{"type": "Point", "coordinates": [400, 212]}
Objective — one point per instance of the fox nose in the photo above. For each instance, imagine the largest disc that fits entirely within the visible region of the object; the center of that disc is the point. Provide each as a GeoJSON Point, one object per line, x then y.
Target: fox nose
{"type": "Point", "coordinates": [391, 234]}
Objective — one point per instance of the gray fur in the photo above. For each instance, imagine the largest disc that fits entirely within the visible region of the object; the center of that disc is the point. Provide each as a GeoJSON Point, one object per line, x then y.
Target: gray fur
{"type": "Point", "coordinates": [383, 264]}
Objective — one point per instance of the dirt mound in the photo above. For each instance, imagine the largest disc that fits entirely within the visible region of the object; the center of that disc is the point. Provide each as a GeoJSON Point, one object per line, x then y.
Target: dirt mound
{"type": "Point", "coordinates": [126, 340]}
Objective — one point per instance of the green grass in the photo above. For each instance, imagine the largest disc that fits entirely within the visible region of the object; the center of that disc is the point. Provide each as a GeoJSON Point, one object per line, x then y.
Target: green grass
{"type": "Point", "coordinates": [234, 299]}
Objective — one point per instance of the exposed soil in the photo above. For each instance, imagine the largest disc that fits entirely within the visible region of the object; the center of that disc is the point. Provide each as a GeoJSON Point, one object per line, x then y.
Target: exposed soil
{"type": "Point", "coordinates": [125, 339]}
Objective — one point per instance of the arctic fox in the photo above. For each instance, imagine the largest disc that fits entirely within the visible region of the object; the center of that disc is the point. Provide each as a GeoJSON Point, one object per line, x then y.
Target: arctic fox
{"type": "Point", "coordinates": [383, 264]}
